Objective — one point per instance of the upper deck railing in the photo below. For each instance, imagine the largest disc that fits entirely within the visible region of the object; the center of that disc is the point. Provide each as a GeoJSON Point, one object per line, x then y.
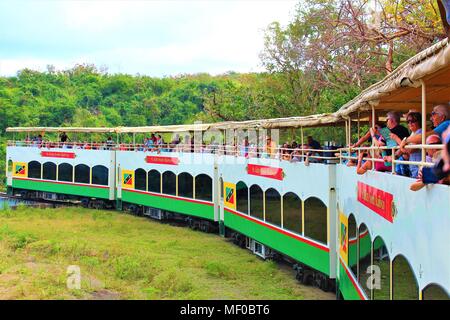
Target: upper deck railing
{"type": "Point", "coordinates": [299, 154]}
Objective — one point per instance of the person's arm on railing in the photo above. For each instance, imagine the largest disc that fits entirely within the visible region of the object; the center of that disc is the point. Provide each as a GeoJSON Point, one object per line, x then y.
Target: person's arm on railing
{"type": "Point", "coordinates": [363, 139]}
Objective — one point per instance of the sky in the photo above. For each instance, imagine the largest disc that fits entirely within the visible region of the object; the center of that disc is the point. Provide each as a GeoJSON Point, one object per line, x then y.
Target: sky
{"type": "Point", "coordinates": [155, 38]}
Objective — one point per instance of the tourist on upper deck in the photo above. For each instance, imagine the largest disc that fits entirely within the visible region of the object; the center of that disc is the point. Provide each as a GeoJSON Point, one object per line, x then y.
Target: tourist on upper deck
{"type": "Point", "coordinates": [109, 143]}
{"type": "Point", "coordinates": [149, 144]}
{"type": "Point", "coordinates": [285, 152]}
{"type": "Point", "coordinates": [244, 147]}
{"type": "Point", "coordinates": [414, 120]}
{"type": "Point", "coordinates": [440, 117]}
{"type": "Point", "coordinates": [313, 144]}
{"type": "Point", "coordinates": [63, 137]}
{"type": "Point", "coordinates": [270, 148]}
{"type": "Point", "coordinates": [440, 173]}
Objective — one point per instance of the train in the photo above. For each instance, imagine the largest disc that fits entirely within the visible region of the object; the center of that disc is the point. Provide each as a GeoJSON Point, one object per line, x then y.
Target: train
{"type": "Point", "coordinates": [362, 236]}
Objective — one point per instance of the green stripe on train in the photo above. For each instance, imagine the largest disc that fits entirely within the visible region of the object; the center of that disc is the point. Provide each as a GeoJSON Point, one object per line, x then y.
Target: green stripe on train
{"type": "Point", "coordinates": [348, 290]}
{"type": "Point", "coordinates": [296, 249]}
{"type": "Point", "coordinates": [71, 189]}
{"type": "Point", "coordinates": [175, 205]}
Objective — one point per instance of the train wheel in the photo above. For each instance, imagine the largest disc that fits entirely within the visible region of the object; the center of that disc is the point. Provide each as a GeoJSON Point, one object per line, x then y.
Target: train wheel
{"type": "Point", "coordinates": [85, 202]}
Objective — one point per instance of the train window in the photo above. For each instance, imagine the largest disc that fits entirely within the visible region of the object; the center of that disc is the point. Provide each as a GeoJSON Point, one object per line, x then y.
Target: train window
{"type": "Point", "coordinates": [185, 185]}
{"type": "Point", "coordinates": [404, 285]}
{"type": "Point", "coordinates": [292, 212]}
{"type": "Point", "coordinates": [154, 181]}
{"type": "Point", "coordinates": [203, 187]}
{"type": "Point", "coordinates": [65, 172]}
{"type": "Point", "coordinates": [382, 288]}
{"type": "Point", "coordinates": [273, 206]}
{"type": "Point", "coordinates": [434, 292]}
{"type": "Point", "coordinates": [169, 183]}
{"type": "Point", "coordinates": [256, 202]}
{"type": "Point", "coordinates": [49, 171]}
{"type": "Point", "coordinates": [34, 170]}
{"type": "Point", "coordinates": [242, 197]}
{"type": "Point", "coordinates": [316, 225]}
{"type": "Point", "coordinates": [140, 179]}
{"type": "Point", "coordinates": [364, 257]}
{"type": "Point", "coordinates": [100, 175]}
{"type": "Point", "coordinates": [82, 173]}
{"type": "Point", "coordinates": [353, 245]}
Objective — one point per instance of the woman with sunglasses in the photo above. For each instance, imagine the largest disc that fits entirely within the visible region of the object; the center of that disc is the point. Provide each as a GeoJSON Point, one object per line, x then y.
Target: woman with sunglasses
{"type": "Point", "coordinates": [414, 120]}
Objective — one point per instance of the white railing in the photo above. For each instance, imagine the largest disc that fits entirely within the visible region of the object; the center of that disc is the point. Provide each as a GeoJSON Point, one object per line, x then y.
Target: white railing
{"type": "Point", "coordinates": [298, 154]}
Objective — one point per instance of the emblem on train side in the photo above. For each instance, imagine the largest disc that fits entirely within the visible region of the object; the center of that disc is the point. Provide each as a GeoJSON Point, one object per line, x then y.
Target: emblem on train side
{"type": "Point", "coordinates": [127, 179]}
{"type": "Point", "coordinates": [20, 169]}
{"type": "Point", "coordinates": [229, 190]}
{"type": "Point", "coordinates": [377, 200]}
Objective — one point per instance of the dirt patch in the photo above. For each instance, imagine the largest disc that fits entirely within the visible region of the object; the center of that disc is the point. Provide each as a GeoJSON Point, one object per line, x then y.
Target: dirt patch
{"type": "Point", "coordinates": [104, 295]}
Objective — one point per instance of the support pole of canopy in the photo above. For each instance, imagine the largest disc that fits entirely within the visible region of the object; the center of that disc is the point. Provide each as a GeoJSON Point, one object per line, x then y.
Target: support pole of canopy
{"type": "Point", "coordinates": [350, 130]}
{"type": "Point", "coordinates": [301, 136]}
{"type": "Point", "coordinates": [424, 117]}
{"type": "Point", "coordinates": [372, 151]}
{"type": "Point", "coordinates": [346, 133]}
{"type": "Point", "coordinates": [358, 126]}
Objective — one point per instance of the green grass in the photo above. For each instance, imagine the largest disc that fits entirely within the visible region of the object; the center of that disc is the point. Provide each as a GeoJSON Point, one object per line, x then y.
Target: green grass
{"type": "Point", "coordinates": [125, 257]}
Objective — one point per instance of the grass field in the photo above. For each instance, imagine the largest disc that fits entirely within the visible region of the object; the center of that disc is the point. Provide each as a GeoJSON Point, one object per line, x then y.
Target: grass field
{"type": "Point", "coordinates": [126, 257]}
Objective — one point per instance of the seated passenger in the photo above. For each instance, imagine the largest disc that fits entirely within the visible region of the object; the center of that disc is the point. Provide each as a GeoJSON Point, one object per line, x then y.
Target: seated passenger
{"type": "Point", "coordinates": [414, 120]}
{"type": "Point", "coordinates": [86, 146]}
{"type": "Point", "coordinates": [440, 117]}
{"type": "Point", "coordinates": [109, 143]}
{"type": "Point", "coordinates": [440, 173]}
{"type": "Point", "coordinates": [285, 152]}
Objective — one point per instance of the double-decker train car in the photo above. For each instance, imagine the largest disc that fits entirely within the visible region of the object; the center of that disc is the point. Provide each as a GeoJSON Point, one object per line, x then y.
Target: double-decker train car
{"type": "Point", "coordinates": [367, 236]}
{"type": "Point", "coordinates": [62, 172]}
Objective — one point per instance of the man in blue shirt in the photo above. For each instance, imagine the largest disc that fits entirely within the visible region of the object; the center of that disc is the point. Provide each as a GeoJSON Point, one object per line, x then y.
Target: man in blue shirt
{"type": "Point", "coordinates": [440, 116]}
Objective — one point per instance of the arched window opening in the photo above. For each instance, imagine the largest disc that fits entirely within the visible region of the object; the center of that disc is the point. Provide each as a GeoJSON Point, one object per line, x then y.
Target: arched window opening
{"type": "Point", "coordinates": [185, 185]}
{"type": "Point", "coordinates": [169, 183]}
{"type": "Point", "coordinates": [242, 197]}
{"type": "Point", "coordinates": [154, 181]}
{"type": "Point", "coordinates": [273, 207]}
{"type": "Point", "coordinates": [256, 202]}
{"type": "Point", "coordinates": [316, 225]}
{"type": "Point", "coordinates": [203, 187]}
{"type": "Point", "coordinates": [140, 179]}
{"type": "Point", "coordinates": [404, 284]}
{"type": "Point", "coordinates": [65, 172]}
{"type": "Point", "coordinates": [353, 245]}
{"type": "Point", "coordinates": [364, 258]}
{"type": "Point", "coordinates": [382, 286]}
{"type": "Point", "coordinates": [49, 171]}
{"type": "Point", "coordinates": [100, 175]}
{"type": "Point", "coordinates": [34, 170]}
{"type": "Point", "coordinates": [82, 173]}
{"type": "Point", "coordinates": [434, 292]}
{"type": "Point", "coordinates": [292, 212]}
